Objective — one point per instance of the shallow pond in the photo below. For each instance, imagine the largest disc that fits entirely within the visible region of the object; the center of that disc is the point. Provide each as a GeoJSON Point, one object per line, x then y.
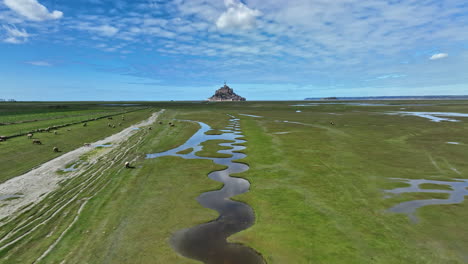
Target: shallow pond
{"type": "Point", "coordinates": [10, 196]}
{"type": "Point", "coordinates": [251, 115]}
{"type": "Point", "coordinates": [456, 194]}
{"type": "Point", "coordinates": [433, 116]}
{"type": "Point", "coordinates": [103, 146]}
{"type": "Point", "coordinates": [358, 104]}
{"type": "Point", "coordinates": [207, 242]}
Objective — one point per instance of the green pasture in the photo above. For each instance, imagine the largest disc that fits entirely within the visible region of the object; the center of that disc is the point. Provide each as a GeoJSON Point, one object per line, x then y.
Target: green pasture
{"type": "Point", "coordinates": [317, 189]}
{"type": "Point", "coordinates": [19, 154]}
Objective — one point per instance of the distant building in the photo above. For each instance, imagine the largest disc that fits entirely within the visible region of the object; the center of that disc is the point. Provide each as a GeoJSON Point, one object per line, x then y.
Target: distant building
{"type": "Point", "coordinates": [226, 93]}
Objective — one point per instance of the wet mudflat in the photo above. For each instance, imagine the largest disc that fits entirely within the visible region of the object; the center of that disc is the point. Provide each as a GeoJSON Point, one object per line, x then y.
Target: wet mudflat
{"type": "Point", "coordinates": [458, 191]}
{"type": "Point", "coordinates": [207, 242]}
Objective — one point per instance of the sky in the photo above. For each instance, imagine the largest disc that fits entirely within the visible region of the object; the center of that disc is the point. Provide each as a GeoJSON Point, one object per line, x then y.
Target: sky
{"type": "Point", "coordinates": [264, 50]}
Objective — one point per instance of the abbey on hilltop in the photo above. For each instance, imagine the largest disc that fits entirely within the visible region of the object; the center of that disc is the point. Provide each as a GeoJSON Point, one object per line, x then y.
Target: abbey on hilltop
{"type": "Point", "coordinates": [226, 93]}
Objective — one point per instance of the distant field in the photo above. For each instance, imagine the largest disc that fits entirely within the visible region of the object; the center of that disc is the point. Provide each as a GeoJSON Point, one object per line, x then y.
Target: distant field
{"type": "Point", "coordinates": [318, 179]}
{"type": "Point", "coordinates": [20, 155]}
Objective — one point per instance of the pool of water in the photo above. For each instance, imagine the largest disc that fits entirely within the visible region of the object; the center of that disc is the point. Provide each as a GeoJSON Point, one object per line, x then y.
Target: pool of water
{"type": "Point", "coordinates": [251, 115]}
{"type": "Point", "coordinates": [74, 166]}
{"type": "Point", "coordinates": [433, 116]}
{"type": "Point", "coordinates": [456, 195]}
{"type": "Point", "coordinates": [207, 242]}
{"type": "Point", "coordinates": [359, 104]}
{"type": "Point", "coordinates": [10, 196]}
{"type": "Point", "coordinates": [103, 146]}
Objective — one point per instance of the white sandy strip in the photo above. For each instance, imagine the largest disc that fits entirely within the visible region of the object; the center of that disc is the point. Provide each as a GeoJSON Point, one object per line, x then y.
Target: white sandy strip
{"type": "Point", "coordinates": [44, 179]}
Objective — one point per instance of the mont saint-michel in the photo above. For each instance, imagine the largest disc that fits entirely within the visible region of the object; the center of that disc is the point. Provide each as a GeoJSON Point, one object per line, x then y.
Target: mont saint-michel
{"type": "Point", "coordinates": [226, 93]}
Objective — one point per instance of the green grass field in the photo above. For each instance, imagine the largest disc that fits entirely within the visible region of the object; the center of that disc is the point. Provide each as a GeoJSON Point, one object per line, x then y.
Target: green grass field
{"type": "Point", "coordinates": [317, 189]}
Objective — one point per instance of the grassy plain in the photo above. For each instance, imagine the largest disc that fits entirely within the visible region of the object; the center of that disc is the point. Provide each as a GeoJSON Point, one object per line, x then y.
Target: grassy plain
{"type": "Point", "coordinates": [316, 188]}
{"type": "Point", "coordinates": [19, 154]}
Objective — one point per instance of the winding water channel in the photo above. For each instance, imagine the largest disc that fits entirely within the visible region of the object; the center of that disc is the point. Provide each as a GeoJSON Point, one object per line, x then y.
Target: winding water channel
{"type": "Point", "coordinates": [207, 242]}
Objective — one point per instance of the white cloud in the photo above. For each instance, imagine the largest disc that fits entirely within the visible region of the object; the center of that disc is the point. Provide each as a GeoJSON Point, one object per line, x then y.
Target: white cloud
{"type": "Point", "coordinates": [438, 56]}
{"type": "Point", "coordinates": [39, 63]}
{"type": "Point", "coordinates": [237, 16]}
{"type": "Point", "coordinates": [104, 30]}
{"type": "Point", "coordinates": [15, 35]}
{"type": "Point", "coordinates": [32, 10]}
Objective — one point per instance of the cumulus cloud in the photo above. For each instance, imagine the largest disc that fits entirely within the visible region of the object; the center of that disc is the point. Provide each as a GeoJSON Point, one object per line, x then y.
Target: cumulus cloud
{"type": "Point", "coordinates": [39, 63]}
{"type": "Point", "coordinates": [15, 35]}
{"type": "Point", "coordinates": [32, 10]}
{"type": "Point", "coordinates": [438, 56]}
{"type": "Point", "coordinates": [237, 16]}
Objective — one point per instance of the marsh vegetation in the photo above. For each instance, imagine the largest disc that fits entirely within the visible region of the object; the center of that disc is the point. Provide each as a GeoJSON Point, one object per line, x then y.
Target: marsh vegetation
{"type": "Point", "coordinates": [318, 191]}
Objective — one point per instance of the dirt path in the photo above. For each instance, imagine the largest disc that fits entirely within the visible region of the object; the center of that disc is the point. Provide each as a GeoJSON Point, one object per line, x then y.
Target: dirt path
{"type": "Point", "coordinates": [35, 184]}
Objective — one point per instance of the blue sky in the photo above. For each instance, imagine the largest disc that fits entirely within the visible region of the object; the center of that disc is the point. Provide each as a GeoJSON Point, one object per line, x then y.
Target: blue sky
{"type": "Point", "coordinates": [265, 50]}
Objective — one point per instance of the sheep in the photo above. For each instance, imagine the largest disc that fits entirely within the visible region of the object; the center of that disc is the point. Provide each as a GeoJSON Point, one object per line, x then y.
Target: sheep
{"type": "Point", "coordinates": [55, 133]}
{"type": "Point", "coordinates": [110, 118]}
{"type": "Point", "coordinates": [332, 123]}
{"type": "Point", "coordinates": [30, 135]}
{"type": "Point", "coordinates": [85, 124]}
{"type": "Point", "coordinates": [37, 141]}
{"type": "Point", "coordinates": [87, 144]}
{"type": "Point", "coordinates": [109, 124]}
{"type": "Point", "coordinates": [120, 124]}
{"type": "Point", "coordinates": [127, 164]}
{"type": "Point", "coordinates": [55, 149]}
{"type": "Point", "coordinates": [160, 122]}
{"type": "Point", "coordinates": [113, 126]}
{"type": "Point", "coordinates": [150, 128]}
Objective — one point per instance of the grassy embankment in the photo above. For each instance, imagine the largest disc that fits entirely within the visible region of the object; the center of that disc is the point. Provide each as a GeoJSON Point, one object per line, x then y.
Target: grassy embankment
{"type": "Point", "coordinates": [19, 154]}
